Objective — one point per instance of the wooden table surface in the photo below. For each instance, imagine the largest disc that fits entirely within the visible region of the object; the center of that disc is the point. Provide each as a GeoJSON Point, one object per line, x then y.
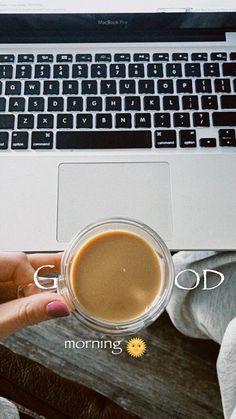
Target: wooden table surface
{"type": "Point", "coordinates": [176, 377]}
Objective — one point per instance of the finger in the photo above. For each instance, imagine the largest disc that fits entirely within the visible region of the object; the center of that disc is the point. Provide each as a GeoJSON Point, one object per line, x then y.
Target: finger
{"type": "Point", "coordinates": [23, 312]}
{"type": "Point", "coordinates": [15, 271]}
{"type": "Point", "coordinates": [10, 263]}
{"type": "Point", "coordinates": [40, 259]}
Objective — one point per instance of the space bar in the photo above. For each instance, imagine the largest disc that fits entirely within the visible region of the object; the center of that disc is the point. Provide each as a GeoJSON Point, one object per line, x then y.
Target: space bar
{"type": "Point", "coordinates": [103, 139]}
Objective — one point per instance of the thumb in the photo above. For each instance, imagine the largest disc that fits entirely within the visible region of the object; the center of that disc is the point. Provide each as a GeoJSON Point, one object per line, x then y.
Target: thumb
{"type": "Point", "coordinates": [26, 311]}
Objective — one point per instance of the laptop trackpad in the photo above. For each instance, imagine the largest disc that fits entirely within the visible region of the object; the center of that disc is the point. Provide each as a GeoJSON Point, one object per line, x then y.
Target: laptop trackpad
{"type": "Point", "coordinates": [91, 191]}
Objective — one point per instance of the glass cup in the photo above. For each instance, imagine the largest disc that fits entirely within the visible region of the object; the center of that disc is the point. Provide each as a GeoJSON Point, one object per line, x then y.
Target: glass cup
{"type": "Point", "coordinates": [62, 283]}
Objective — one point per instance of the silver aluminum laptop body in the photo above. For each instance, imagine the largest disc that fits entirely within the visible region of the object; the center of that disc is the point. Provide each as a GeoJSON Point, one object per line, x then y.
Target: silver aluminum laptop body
{"type": "Point", "coordinates": [186, 193]}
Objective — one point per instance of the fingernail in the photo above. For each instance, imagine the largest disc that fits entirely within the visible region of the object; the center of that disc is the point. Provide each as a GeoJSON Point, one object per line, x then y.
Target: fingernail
{"type": "Point", "coordinates": [57, 309]}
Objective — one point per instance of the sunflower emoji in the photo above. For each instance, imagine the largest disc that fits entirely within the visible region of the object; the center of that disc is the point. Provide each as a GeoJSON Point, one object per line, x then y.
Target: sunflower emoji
{"type": "Point", "coordinates": [136, 347]}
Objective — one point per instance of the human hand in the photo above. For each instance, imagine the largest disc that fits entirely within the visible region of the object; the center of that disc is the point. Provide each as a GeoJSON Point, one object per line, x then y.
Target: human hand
{"type": "Point", "coordinates": [17, 270]}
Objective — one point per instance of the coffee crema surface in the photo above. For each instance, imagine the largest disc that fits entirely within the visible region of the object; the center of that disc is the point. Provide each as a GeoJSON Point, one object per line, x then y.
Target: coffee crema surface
{"type": "Point", "coordinates": [116, 275]}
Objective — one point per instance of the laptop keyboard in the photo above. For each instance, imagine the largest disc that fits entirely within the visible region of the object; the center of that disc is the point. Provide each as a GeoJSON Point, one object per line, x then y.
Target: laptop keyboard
{"type": "Point", "coordinates": [117, 101]}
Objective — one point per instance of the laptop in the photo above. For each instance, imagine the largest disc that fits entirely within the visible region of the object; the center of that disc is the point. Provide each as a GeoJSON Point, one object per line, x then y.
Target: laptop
{"type": "Point", "coordinates": [110, 109]}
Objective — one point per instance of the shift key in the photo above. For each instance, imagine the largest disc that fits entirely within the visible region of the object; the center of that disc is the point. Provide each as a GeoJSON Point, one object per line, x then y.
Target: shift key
{"type": "Point", "coordinates": [224, 119]}
{"type": "Point", "coordinates": [6, 121]}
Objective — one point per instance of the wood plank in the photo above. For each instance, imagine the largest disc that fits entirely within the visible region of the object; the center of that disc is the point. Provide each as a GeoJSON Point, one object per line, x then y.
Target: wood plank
{"type": "Point", "coordinates": [176, 378]}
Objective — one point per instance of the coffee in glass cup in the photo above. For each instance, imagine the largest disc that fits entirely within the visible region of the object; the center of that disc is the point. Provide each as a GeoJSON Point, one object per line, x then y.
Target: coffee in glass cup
{"type": "Point", "coordinates": [116, 275]}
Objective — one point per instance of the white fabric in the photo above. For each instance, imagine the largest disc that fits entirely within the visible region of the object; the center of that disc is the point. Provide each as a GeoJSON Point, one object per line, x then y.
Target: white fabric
{"type": "Point", "coordinates": [210, 314]}
{"type": "Point", "coordinates": [8, 410]}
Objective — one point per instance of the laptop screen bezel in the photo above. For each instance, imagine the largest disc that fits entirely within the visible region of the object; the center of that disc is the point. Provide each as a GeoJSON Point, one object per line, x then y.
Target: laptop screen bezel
{"type": "Point", "coordinates": [116, 28]}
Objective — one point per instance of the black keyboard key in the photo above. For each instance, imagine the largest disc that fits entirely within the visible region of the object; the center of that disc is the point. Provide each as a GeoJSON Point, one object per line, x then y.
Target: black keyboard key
{"type": "Point", "coordinates": [224, 119]}
{"type": "Point", "coordinates": [32, 88]}
{"type": "Point", "coordinates": [84, 120]}
{"type": "Point", "coordinates": [181, 119]}
{"type": "Point", "coordinates": [190, 102]}
{"type": "Point", "coordinates": [25, 58]}
{"type": "Point", "coordinates": [162, 120]}
{"type": "Point", "coordinates": [192, 70]}
{"type": "Point", "coordinates": [229, 69]}
{"type": "Point", "coordinates": [42, 140]}
{"type": "Point", "coordinates": [0, 87]}
{"type": "Point", "coordinates": [75, 104]}
{"type": "Point", "coordinates": [123, 120]}
{"type": "Point", "coordinates": [103, 139]}
{"type": "Point", "coordinates": [89, 87]}
{"type": "Point", "coordinates": [25, 121]}
{"type": "Point", "coordinates": [132, 103]}
{"type": "Point", "coordinates": [151, 103]}
{"type": "Point", "coordinates": [203, 86]}
{"type": "Point", "coordinates": [2, 104]}
{"type": "Point", "coordinates": [3, 140]}
{"type": "Point", "coordinates": [42, 71]}
{"type": "Point", "coordinates": [51, 88]}
{"type": "Point", "coordinates": [165, 139]}
{"type": "Point", "coordinates": [13, 88]}
{"type": "Point", "coordinates": [127, 87]}
{"type": "Point", "coordinates": [23, 71]}
{"type": "Point", "coordinates": [160, 57]}
{"type": "Point", "coordinates": [173, 70]}
{"type": "Point", "coordinates": [94, 103]}
{"type": "Point", "coordinates": [6, 71]}
{"type": "Point", "coordinates": [19, 140]}
{"type": "Point", "coordinates": [187, 138]}
{"type": "Point", "coordinates": [181, 56]}
{"type": "Point", "coordinates": [199, 56]}
{"type": "Point", "coordinates": [64, 58]}
{"type": "Point", "coordinates": [106, 58]}
{"type": "Point", "coordinates": [55, 104]}
{"type": "Point", "coordinates": [45, 120]}
{"type": "Point", "coordinates": [118, 70]}
{"type": "Point", "coordinates": [233, 56]}
{"type": "Point", "coordinates": [165, 86]}
{"type": "Point", "coordinates": [155, 70]}
{"type": "Point", "coordinates": [142, 57]}
{"type": "Point", "coordinates": [222, 85]}
{"type": "Point", "coordinates": [235, 85]}
{"type": "Point", "coordinates": [228, 101]}
{"type": "Point", "coordinates": [184, 86]}
{"type": "Point", "coordinates": [70, 87]}
{"type": "Point", "coordinates": [7, 58]}
{"type": "Point", "coordinates": [146, 86]}
{"type": "Point", "coordinates": [108, 87]}
{"type": "Point", "coordinates": [36, 104]}
{"type": "Point", "coordinates": [211, 69]}
{"type": "Point", "coordinates": [207, 142]}
{"type": "Point", "coordinates": [64, 120]}
{"type": "Point", "coordinates": [136, 70]}
{"type": "Point", "coordinates": [122, 57]}
{"type": "Point", "coordinates": [6, 121]}
{"type": "Point", "coordinates": [44, 58]}
{"type": "Point", "coordinates": [80, 70]}
{"type": "Point", "coordinates": [219, 56]}
{"type": "Point", "coordinates": [227, 138]}
{"type": "Point", "coordinates": [104, 120]}
{"type": "Point", "coordinates": [83, 58]}
{"type": "Point", "coordinates": [201, 119]}
{"type": "Point", "coordinates": [209, 102]}
{"type": "Point", "coordinates": [113, 103]}
{"type": "Point", "coordinates": [171, 103]}
{"type": "Point", "coordinates": [61, 71]}
{"type": "Point", "coordinates": [142, 120]}
{"type": "Point", "coordinates": [99, 71]}
{"type": "Point", "coordinates": [16, 104]}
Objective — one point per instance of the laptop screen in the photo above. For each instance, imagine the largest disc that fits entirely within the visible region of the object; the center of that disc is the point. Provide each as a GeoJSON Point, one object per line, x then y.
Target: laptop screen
{"type": "Point", "coordinates": [115, 6]}
{"type": "Point", "coordinates": [70, 21]}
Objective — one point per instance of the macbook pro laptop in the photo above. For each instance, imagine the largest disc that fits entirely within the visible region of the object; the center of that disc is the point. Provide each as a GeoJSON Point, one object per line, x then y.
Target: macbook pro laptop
{"type": "Point", "coordinates": [117, 109]}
